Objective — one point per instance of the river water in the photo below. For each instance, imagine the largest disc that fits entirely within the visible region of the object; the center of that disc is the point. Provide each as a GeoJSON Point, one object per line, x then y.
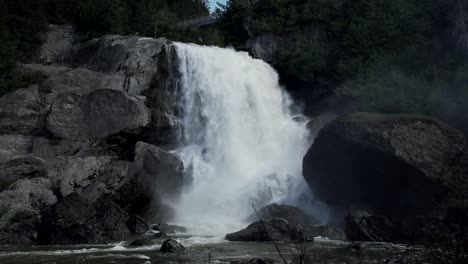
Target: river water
{"type": "Point", "coordinates": [320, 251]}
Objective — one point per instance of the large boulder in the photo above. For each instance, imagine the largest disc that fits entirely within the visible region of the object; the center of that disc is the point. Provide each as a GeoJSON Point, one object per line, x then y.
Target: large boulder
{"type": "Point", "coordinates": [21, 112]}
{"type": "Point", "coordinates": [273, 230]}
{"type": "Point", "coordinates": [392, 164]}
{"type": "Point", "coordinates": [172, 246]}
{"type": "Point", "coordinates": [97, 115]}
{"type": "Point", "coordinates": [292, 214]}
{"type": "Point", "coordinates": [165, 169]}
{"type": "Point", "coordinates": [134, 58]}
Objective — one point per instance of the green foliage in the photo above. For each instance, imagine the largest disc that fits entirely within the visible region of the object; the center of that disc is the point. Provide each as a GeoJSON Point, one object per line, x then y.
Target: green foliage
{"type": "Point", "coordinates": [231, 22]}
{"type": "Point", "coordinates": [306, 63]}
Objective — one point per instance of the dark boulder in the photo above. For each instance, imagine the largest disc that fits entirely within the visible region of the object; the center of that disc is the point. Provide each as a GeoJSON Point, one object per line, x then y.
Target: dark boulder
{"type": "Point", "coordinates": [397, 165]}
{"type": "Point", "coordinates": [273, 230]}
{"type": "Point", "coordinates": [20, 208]}
{"type": "Point", "coordinates": [76, 220]}
{"type": "Point", "coordinates": [165, 169]}
{"type": "Point", "coordinates": [363, 226]}
{"type": "Point", "coordinates": [292, 214]}
{"type": "Point", "coordinates": [172, 246]}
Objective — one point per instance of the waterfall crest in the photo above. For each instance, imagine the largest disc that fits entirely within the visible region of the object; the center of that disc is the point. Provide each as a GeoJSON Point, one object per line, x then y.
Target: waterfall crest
{"type": "Point", "coordinates": [239, 140]}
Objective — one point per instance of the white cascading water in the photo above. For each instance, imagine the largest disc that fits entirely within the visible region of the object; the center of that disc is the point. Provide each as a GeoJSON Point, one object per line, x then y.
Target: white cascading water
{"type": "Point", "coordinates": [240, 141]}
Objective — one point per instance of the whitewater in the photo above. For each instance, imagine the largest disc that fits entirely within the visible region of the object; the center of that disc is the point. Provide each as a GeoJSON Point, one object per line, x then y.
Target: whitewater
{"type": "Point", "coordinates": [240, 142]}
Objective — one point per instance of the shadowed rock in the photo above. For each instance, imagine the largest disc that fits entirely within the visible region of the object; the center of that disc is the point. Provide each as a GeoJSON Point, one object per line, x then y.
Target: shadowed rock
{"type": "Point", "coordinates": [172, 246]}
{"type": "Point", "coordinates": [21, 112]}
{"type": "Point", "coordinates": [19, 168]}
{"type": "Point", "coordinates": [273, 230]}
{"type": "Point", "coordinates": [292, 214]}
{"type": "Point", "coordinates": [400, 165]}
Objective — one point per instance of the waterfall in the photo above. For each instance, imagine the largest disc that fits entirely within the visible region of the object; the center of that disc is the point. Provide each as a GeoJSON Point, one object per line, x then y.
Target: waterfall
{"type": "Point", "coordinates": [240, 143]}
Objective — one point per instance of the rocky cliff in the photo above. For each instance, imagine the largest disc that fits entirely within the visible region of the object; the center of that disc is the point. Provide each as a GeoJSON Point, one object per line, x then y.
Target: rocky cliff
{"type": "Point", "coordinates": [76, 150]}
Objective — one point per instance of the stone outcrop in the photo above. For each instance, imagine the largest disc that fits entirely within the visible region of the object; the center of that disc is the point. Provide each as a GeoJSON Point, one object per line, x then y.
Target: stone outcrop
{"type": "Point", "coordinates": [400, 167]}
{"type": "Point", "coordinates": [133, 58]}
{"type": "Point", "coordinates": [77, 165]}
{"type": "Point", "coordinates": [395, 164]}
{"type": "Point", "coordinates": [273, 230]}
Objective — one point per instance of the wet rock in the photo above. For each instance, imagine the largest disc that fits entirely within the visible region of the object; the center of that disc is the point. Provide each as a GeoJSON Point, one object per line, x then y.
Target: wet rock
{"type": "Point", "coordinates": [165, 169]}
{"type": "Point", "coordinates": [137, 224]}
{"type": "Point", "coordinates": [257, 261]}
{"type": "Point", "coordinates": [19, 168]}
{"type": "Point", "coordinates": [292, 214]}
{"type": "Point", "coordinates": [97, 115]}
{"type": "Point", "coordinates": [363, 226]}
{"type": "Point", "coordinates": [326, 231]}
{"type": "Point", "coordinates": [273, 230]}
{"type": "Point", "coordinates": [21, 112]}
{"type": "Point", "coordinates": [169, 229]}
{"type": "Point", "coordinates": [392, 164]}
{"type": "Point", "coordinates": [163, 98]}
{"type": "Point", "coordinates": [144, 241]}
{"type": "Point", "coordinates": [172, 246]}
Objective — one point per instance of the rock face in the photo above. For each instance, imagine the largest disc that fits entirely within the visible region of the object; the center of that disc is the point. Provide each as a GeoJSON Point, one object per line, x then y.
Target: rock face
{"type": "Point", "coordinates": [133, 58]}
{"type": "Point", "coordinates": [292, 214]}
{"type": "Point", "coordinates": [399, 167]}
{"type": "Point", "coordinates": [97, 115]}
{"type": "Point", "coordinates": [76, 161]}
{"type": "Point", "coordinates": [394, 164]}
{"type": "Point", "coordinates": [273, 230]}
